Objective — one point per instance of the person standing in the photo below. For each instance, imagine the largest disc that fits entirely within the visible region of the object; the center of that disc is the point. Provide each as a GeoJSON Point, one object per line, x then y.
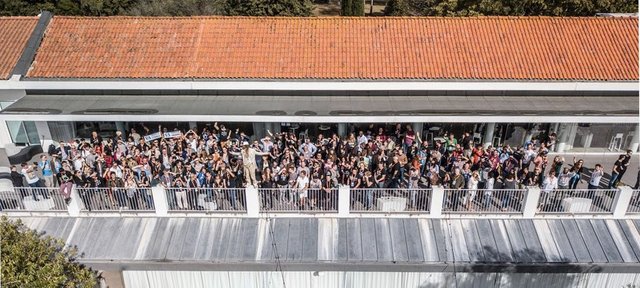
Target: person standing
{"type": "Point", "coordinates": [596, 175]}
{"type": "Point", "coordinates": [615, 172]}
{"type": "Point", "coordinates": [47, 172]}
{"type": "Point", "coordinates": [249, 162]}
{"type": "Point", "coordinates": [548, 185]}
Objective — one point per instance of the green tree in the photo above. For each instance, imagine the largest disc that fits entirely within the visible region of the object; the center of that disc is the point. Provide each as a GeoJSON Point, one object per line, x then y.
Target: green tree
{"type": "Point", "coordinates": [352, 7]}
{"type": "Point", "coordinates": [508, 7]}
{"type": "Point", "coordinates": [30, 259]}
{"type": "Point", "coordinates": [177, 8]}
{"type": "Point", "coordinates": [268, 7]}
{"type": "Point", "coordinates": [396, 8]}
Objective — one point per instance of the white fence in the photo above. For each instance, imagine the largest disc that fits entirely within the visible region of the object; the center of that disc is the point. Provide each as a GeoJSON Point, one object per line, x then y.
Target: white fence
{"type": "Point", "coordinates": [205, 199]}
{"type": "Point", "coordinates": [577, 201]}
{"type": "Point", "coordinates": [32, 199]}
{"type": "Point", "coordinates": [390, 200]}
{"type": "Point", "coordinates": [116, 199]}
{"type": "Point", "coordinates": [341, 202]}
{"type": "Point", "coordinates": [483, 200]}
{"type": "Point", "coordinates": [634, 203]}
{"type": "Point", "coordinates": [312, 200]}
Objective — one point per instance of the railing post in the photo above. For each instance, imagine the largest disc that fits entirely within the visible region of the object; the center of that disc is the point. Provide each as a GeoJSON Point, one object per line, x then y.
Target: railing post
{"type": "Point", "coordinates": [160, 200]}
{"type": "Point", "coordinates": [344, 200]}
{"type": "Point", "coordinates": [531, 200]}
{"type": "Point", "coordinates": [253, 201]}
{"type": "Point", "coordinates": [74, 205]}
{"type": "Point", "coordinates": [437, 198]}
{"type": "Point", "coordinates": [621, 201]}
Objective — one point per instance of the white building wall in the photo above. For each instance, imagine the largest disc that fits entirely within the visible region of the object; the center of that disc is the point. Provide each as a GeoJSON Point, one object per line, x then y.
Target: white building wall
{"type": "Point", "coordinates": [273, 279]}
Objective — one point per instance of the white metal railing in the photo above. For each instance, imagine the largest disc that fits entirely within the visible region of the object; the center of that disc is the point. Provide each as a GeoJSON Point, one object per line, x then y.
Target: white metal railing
{"type": "Point", "coordinates": [390, 200]}
{"type": "Point", "coordinates": [634, 203]}
{"type": "Point", "coordinates": [32, 199]}
{"type": "Point", "coordinates": [298, 200]}
{"type": "Point", "coordinates": [115, 199]}
{"type": "Point", "coordinates": [577, 201]}
{"type": "Point", "coordinates": [343, 201]}
{"type": "Point", "coordinates": [483, 200]}
{"type": "Point", "coordinates": [206, 199]}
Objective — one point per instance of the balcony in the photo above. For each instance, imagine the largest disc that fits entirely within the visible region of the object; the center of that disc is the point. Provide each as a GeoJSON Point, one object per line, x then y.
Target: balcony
{"type": "Point", "coordinates": [436, 202]}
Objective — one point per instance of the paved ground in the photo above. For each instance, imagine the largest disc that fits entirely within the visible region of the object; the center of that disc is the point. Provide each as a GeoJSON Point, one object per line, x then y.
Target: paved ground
{"type": "Point", "coordinates": [606, 160]}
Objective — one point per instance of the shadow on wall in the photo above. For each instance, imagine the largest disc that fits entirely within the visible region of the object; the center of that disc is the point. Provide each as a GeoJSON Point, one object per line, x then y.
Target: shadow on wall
{"type": "Point", "coordinates": [498, 272]}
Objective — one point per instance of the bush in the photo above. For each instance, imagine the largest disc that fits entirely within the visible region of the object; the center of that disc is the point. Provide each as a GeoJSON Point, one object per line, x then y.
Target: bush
{"type": "Point", "coordinates": [30, 259]}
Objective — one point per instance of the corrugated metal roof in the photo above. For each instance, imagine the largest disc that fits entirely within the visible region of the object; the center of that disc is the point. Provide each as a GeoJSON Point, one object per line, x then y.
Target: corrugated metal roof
{"type": "Point", "coordinates": [353, 243]}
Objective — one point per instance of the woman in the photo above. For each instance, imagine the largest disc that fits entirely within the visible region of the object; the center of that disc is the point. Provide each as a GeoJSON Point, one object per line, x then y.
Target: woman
{"type": "Point", "coordinates": [414, 177]}
{"type": "Point", "coordinates": [132, 190]}
{"type": "Point", "coordinates": [267, 184]}
{"type": "Point", "coordinates": [577, 169]}
{"type": "Point", "coordinates": [145, 189]}
{"type": "Point", "coordinates": [557, 164]}
{"type": "Point", "coordinates": [302, 185]}
{"type": "Point", "coordinates": [472, 186]}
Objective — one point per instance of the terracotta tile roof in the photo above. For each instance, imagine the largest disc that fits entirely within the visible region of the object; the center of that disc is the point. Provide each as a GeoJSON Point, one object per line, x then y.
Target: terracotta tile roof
{"type": "Point", "coordinates": [519, 48]}
{"type": "Point", "coordinates": [14, 33]}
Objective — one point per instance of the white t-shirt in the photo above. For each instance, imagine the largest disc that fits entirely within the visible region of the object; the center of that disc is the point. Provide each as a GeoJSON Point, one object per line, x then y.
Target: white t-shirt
{"type": "Point", "coordinates": [595, 178]}
{"type": "Point", "coordinates": [549, 184]}
{"type": "Point", "coordinates": [303, 182]}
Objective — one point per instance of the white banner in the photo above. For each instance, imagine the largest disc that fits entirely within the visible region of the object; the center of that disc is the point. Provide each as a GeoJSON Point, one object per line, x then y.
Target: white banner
{"type": "Point", "coordinates": [152, 137]}
{"type": "Point", "coordinates": [172, 134]}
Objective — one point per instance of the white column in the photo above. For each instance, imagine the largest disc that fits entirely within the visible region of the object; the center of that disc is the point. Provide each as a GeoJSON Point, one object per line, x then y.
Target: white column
{"type": "Point", "coordinates": [621, 202]}
{"type": "Point", "coordinates": [344, 200]}
{"type": "Point", "coordinates": [253, 201]}
{"type": "Point", "coordinates": [44, 134]}
{"type": "Point", "coordinates": [488, 134]}
{"type": "Point", "coordinates": [75, 205]}
{"type": "Point", "coordinates": [563, 137]}
{"type": "Point", "coordinates": [342, 129]}
{"type": "Point", "coordinates": [572, 135]}
{"type": "Point", "coordinates": [437, 198]}
{"type": "Point", "coordinates": [531, 200]}
{"type": "Point", "coordinates": [417, 128]}
{"type": "Point", "coordinates": [160, 200]}
{"type": "Point", "coordinates": [5, 136]}
{"type": "Point", "coordinates": [635, 141]}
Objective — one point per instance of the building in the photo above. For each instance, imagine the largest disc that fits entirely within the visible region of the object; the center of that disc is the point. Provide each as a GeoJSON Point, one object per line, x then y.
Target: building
{"type": "Point", "coordinates": [504, 79]}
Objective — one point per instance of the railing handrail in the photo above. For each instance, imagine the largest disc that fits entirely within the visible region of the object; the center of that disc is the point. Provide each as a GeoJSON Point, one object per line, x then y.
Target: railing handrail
{"type": "Point", "coordinates": [466, 201]}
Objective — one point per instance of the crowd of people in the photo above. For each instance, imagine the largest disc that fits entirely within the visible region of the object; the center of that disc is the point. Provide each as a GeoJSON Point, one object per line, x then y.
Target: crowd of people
{"type": "Point", "coordinates": [198, 167]}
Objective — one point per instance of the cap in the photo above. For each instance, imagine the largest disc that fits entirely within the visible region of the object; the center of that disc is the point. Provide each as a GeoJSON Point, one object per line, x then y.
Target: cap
{"type": "Point", "coordinates": [245, 143]}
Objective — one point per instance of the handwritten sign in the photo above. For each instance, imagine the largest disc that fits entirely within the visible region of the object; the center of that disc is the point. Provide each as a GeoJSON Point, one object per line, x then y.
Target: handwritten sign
{"type": "Point", "coordinates": [152, 137]}
{"type": "Point", "coordinates": [172, 134]}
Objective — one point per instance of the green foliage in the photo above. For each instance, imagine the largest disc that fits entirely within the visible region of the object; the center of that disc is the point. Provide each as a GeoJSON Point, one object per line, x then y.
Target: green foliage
{"type": "Point", "coordinates": [352, 7]}
{"type": "Point", "coordinates": [268, 7]}
{"type": "Point", "coordinates": [176, 8]}
{"type": "Point", "coordinates": [397, 8]}
{"type": "Point", "coordinates": [508, 7]}
{"type": "Point", "coordinates": [33, 260]}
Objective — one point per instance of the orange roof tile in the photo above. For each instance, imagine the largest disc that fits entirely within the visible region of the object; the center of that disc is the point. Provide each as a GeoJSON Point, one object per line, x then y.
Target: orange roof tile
{"type": "Point", "coordinates": [14, 34]}
{"type": "Point", "coordinates": [517, 48]}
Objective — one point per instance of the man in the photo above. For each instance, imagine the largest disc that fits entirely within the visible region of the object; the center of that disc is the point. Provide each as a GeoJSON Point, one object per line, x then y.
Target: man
{"type": "Point", "coordinates": [596, 175]}
{"type": "Point", "coordinates": [616, 171]}
{"type": "Point", "coordinates": [16, 178]}
{"type": "Point", "coordinates": [47, 172]}
{"type": "Point", "coordinates": [394, 173]}
{"type": "Point", "coordinates": [249, 162]}
{"type": "Point", "coordinates": [625, 164]}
